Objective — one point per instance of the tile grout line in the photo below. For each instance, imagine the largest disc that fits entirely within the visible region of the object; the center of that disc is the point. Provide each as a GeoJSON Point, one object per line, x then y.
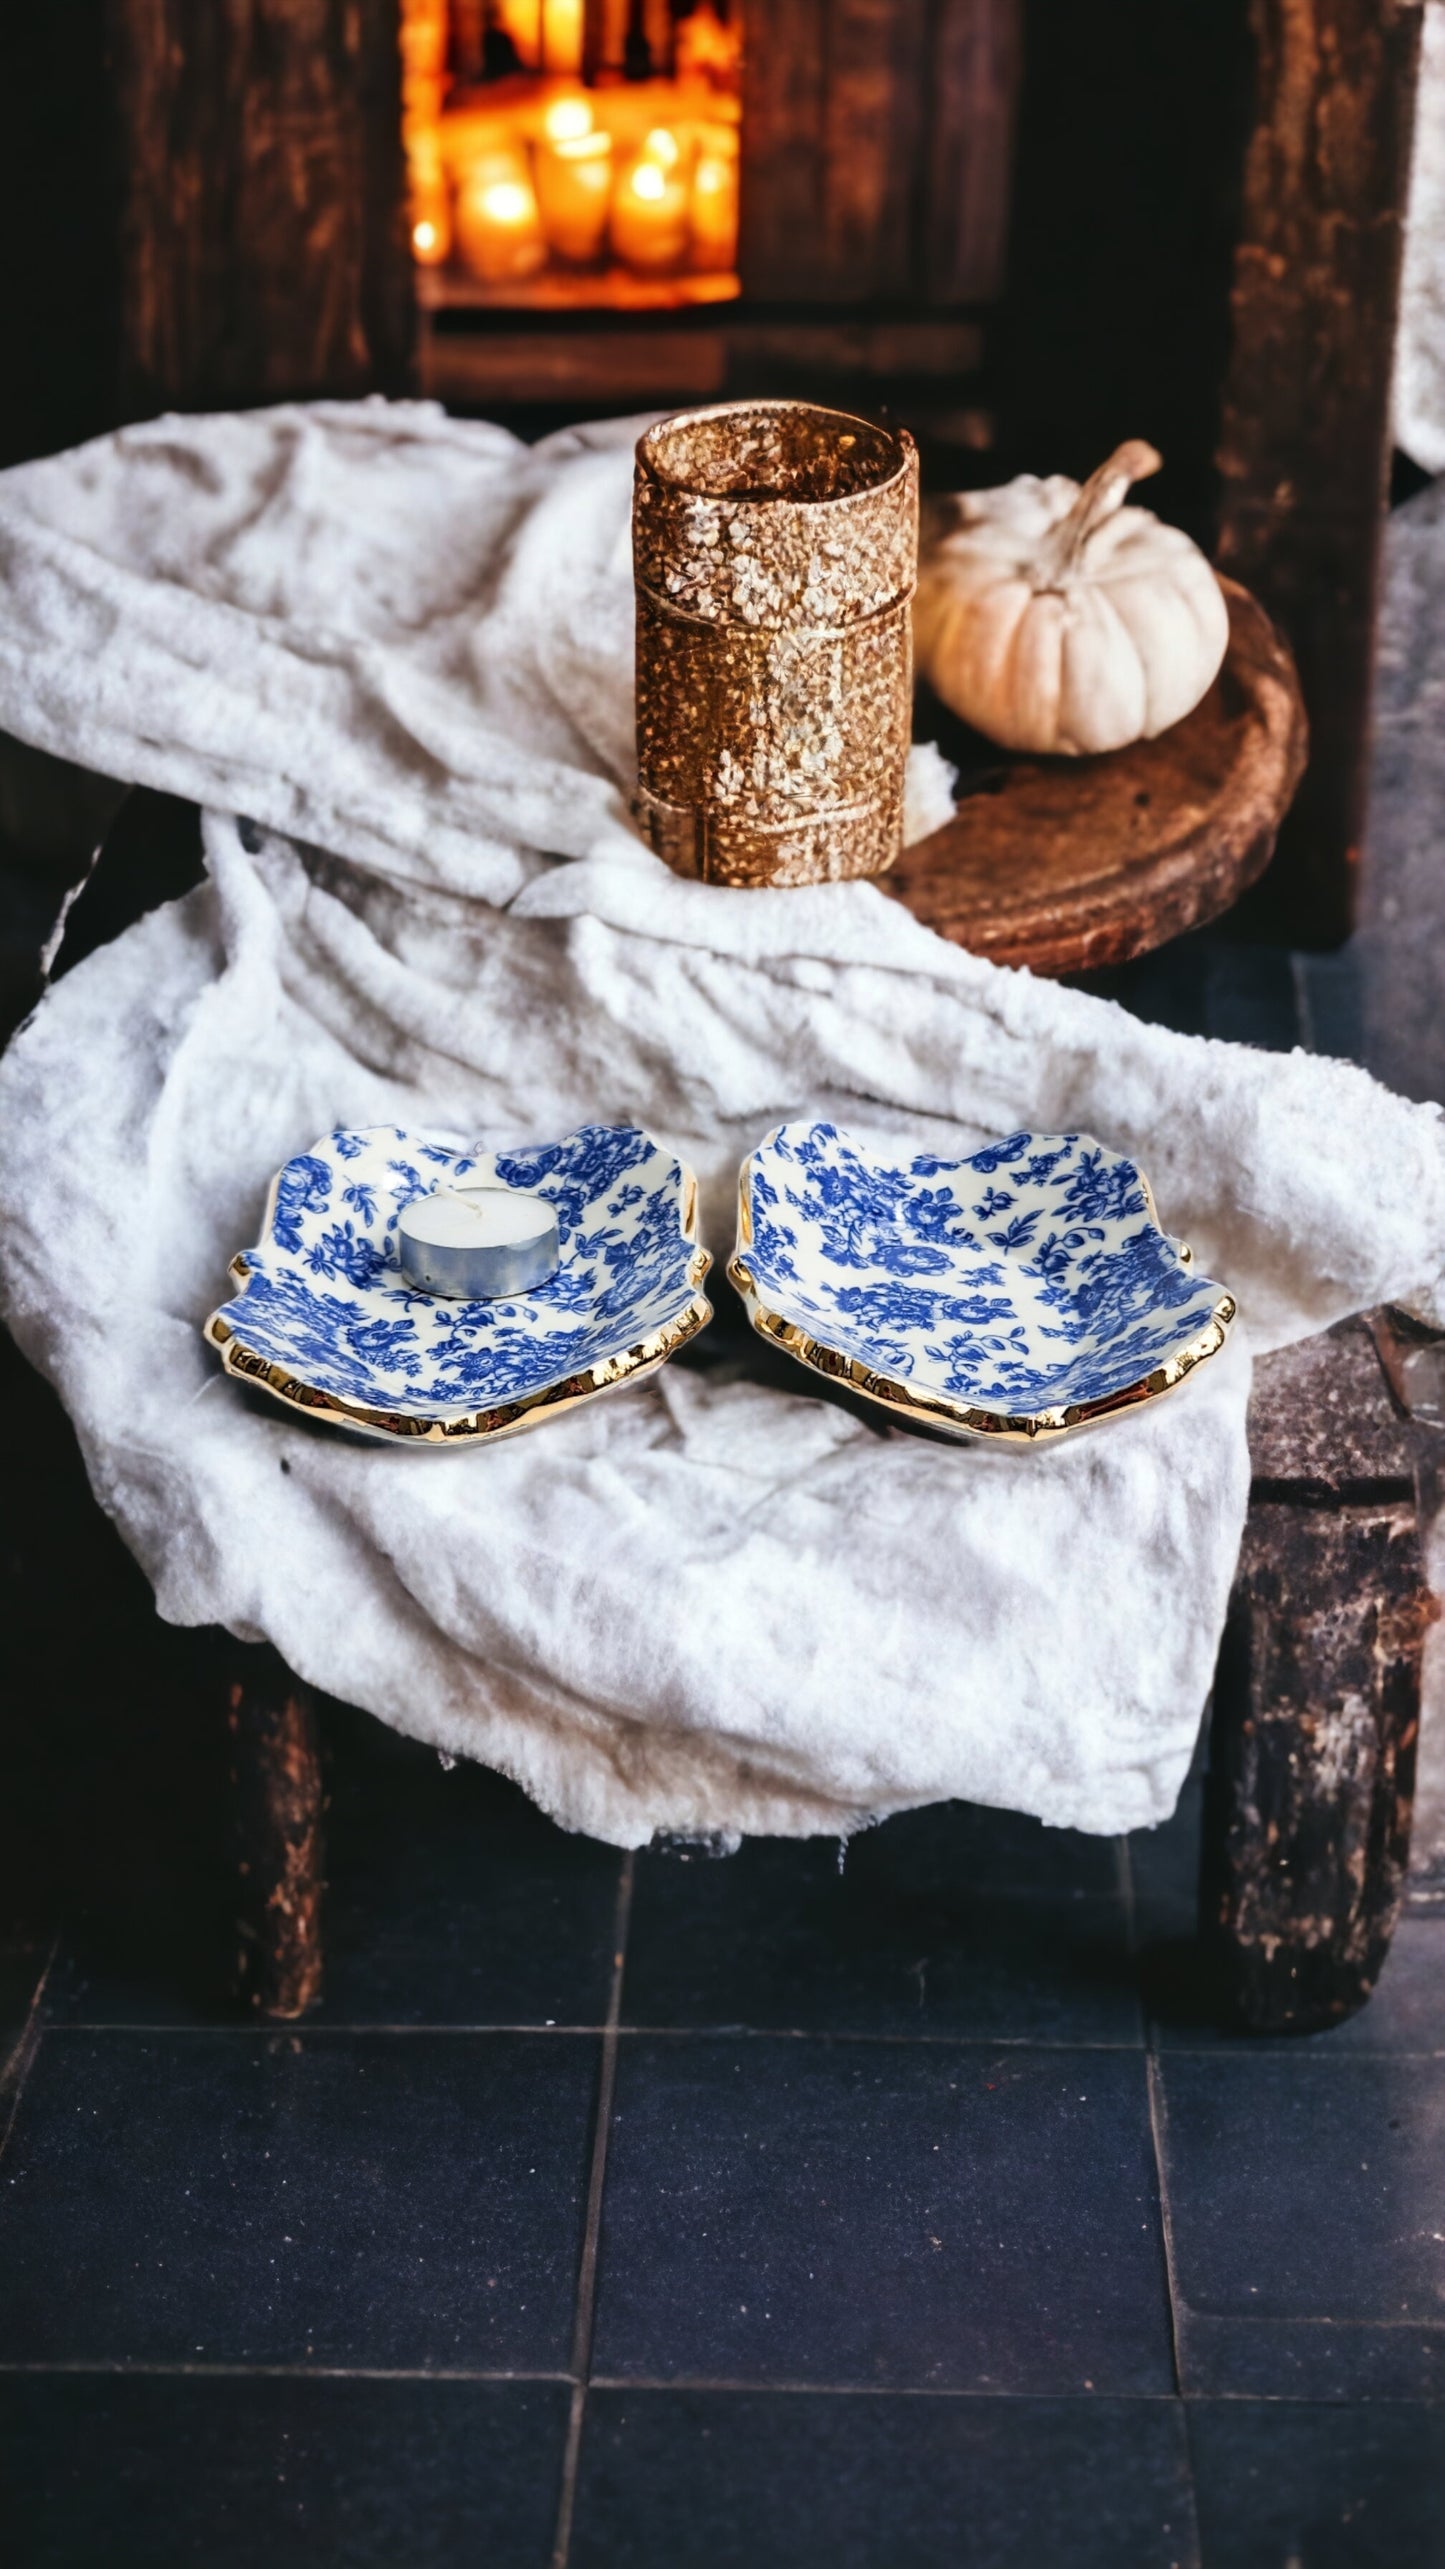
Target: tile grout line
{"type": "Point", "coordinates": [587, 2273]}
{"type": "Point", "coordinates": [103, 2368]}
{"type": "Point", "coordinates": [1256, 2047]}
{"type": "Point", "coordinates": [1156, 2116]}
{"type": "Point", "coordinates": [706, 2030]}
{"type": "Point", "coordinates": [1154, 2092]}
{"type": "Point", "coordinates": [20, 2060]}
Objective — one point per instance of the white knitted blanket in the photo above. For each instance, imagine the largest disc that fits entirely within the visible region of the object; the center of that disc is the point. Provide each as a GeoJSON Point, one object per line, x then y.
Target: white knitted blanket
{"type": "Point", "coordinates": [391, 654]}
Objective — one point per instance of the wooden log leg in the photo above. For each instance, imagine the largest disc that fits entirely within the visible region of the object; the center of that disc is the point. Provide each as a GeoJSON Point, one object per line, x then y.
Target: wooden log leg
{"type": "Point", "coordinates": [1317, 1696]}
{"type": "Point", "coordinates": [278, 1806]}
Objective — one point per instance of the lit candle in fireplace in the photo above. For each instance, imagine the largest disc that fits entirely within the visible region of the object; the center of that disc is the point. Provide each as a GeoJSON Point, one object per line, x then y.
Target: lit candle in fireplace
{"type": "Point", "coordinates": [574, 191]}
{"type": "Point", "coordinates": [650, 213]}
{"type": "Point", "coordinates": [430, 205]}
{"type": "Point", "coordinates": [498, 227]}
{"type": "Point", "coordinates": [568, 118]}
{"type": "Point", "coordinates": [715, 200]}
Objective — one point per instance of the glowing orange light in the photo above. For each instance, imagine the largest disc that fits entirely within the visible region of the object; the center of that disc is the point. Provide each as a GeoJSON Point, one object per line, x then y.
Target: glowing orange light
{"type": "Point", "coordinates": [505, 202]}
{"type": "Point", "coordinates": [650, 222]}
{"type": "Point", "coordinates": [662, 147]}
{"type": "Point", "coordinates": [574, 191]}
{"type": "Point", "coordinates": [715, 210]}
{"type": "Point", "coordinates": [567, 120]}
{"type": "Point", "coordinates": [499, 231]}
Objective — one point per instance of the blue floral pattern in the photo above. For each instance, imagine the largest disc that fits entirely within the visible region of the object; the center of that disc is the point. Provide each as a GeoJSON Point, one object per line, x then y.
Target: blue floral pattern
{"type": "Point", "coordinates": [1025, 1281]}
{"type": "Point", "coordinates": [325, 1310]}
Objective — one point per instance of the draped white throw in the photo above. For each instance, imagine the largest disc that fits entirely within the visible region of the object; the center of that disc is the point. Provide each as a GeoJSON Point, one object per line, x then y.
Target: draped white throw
{"type": "Point", "coordinates": [390, 653]}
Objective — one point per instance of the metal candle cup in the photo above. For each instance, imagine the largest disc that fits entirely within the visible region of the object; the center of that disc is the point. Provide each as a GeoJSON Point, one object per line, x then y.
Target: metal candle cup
{"type": "Point", "coordinates": [775, 547]}
{"type": "Point", "coordinates": [477, 1243]}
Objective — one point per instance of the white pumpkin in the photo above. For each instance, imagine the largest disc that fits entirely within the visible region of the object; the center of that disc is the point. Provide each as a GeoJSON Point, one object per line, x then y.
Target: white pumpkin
{"type": "Point", "coordinates": [1054, 619]}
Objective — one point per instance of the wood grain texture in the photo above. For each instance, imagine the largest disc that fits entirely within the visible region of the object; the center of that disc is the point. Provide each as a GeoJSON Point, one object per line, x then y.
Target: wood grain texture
{"type": "Point", "coordinates": [678, 360]}
{"type": "Point", "coordinates": [877, 145]}
{"type": "Point", "coordinates": [1305, 441]}
{"type": "Point", "coordinates": [1324, 1428]}
{"type": "Point", "coordinates": [973, 99]}
{"type": "Point", "coordinates": [279, 1801]}
{"type": "Point", "coordinates": [1317, 1695]}
{"type": "Point", "coordinates": [1312, 1758]}
{"type": "Point", "coordinates": [263, 239]}
{"type": "Point", "coordinates": [1069, 864]}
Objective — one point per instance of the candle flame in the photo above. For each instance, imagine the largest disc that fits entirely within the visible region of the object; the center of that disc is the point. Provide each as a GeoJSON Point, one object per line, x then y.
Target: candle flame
{"type": "Point", "coordinates": [567, 120]}
{"type": "Point", "coordinates": [505, 201]}
{"type": "Point", "coordinates": [661, 146]}
{"type": "Point", "coordinates": [712, 176]}
{"type": "Point", "coordinates": [649, 181]}
{"type": "Point", "coordinates": [424, 236]}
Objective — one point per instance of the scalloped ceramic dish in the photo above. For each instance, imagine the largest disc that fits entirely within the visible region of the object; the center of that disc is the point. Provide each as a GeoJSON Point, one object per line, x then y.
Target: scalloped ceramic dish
{"type": "Point", "coordinates": [1018, 1294]}
{"type": "Point", "coordinates": [325, 1321]}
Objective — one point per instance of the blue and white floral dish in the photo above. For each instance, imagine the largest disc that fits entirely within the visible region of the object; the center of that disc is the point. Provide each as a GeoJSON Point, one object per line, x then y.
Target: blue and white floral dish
{"type": "Point", "coordinates": [326, 1321]}
{"type": "Point", "coordinates": [1017, 1294]}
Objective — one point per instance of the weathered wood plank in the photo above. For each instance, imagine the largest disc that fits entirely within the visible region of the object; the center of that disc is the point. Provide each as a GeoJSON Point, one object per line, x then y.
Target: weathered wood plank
{"type": "Point", "coordinates": [877, 141]}
{"type": "Point", "coordinates": [1304, 449]}
{"type": "Point", "coordinates": [263, 239]}
{"type": "Point", "coordinates": [1322, 1423]}
{"type": "Point", "coordinates": [279, 1802]}
{"type": "Point", "coordinates": [672, 361]}
{"type": "Point", "coordinates": [876, 87]}
{"type": "Point", "coordinates": [1312, 1758]}
{"type": "Point", "coordinates": [1317, 1694]}
{"type": "Point", "coordinates": [973, 91]}
{"type": "Point", "coordinates": [781, 211]}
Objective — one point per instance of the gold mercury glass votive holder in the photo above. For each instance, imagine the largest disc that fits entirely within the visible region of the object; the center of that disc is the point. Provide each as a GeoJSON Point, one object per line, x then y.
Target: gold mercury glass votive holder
{"type": "Point", "coordinates": [775, 549]}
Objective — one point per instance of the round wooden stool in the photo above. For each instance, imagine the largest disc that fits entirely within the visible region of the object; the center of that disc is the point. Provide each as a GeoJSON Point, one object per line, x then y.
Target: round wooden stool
{"type": "Point", "coordinates": [1066, 864]}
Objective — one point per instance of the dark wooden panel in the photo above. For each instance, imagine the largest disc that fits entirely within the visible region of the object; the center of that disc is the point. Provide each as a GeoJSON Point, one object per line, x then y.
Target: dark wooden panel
{"type": "Point", "coordinates": [263, 238]}
{"type": "Point", "coordinates": [668, 360]}
{"type": "Point", "coordinates": [1304, 452]}
{"type": "Point", "coordinates": [876, 66]}
{"type": "Point", "coordinates": [877, 137]}
{"type": "Point", "coordinates": [973, 89]}
{"type": "Point", "coordinates": [782, 208]}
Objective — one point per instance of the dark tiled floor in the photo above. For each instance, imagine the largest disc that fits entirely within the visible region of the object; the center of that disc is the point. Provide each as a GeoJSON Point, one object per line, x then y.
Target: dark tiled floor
{"type": "Point", "coordinates": [928, 2178]}
{"type": "Point", "coordinates": [931, 2220]}
{"type": "Point", "coordinates": [957, 1923]}
{"type": "Point", "coordinates": [1325, 2486]}
{"type": "Point", "coordinates": [184, 2472]}
{"type": "Point", "coordinates": [903, 2215]}
{"type": "Point", "coordinates": [1308, 2201]}
{"type": "Point", "coordinates": [407, 2203]}
{"type": "Point", "coordinates": [887, 2483]}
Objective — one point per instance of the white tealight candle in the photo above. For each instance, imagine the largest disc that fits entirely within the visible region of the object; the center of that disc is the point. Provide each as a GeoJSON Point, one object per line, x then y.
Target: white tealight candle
{"type": "Point", "coordinates": [574, 191]}
{"type": "Point", "coordinates": [650, 210]}
{"type": "Point", "coordinates": [476, 1243]}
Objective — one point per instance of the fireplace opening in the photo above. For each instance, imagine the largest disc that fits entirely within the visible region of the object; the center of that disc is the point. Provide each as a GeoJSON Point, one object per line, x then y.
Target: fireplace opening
{"type": "Point", "coordinates": [626, 204]}
{"type": "Point", "coordinates": [572, 155]}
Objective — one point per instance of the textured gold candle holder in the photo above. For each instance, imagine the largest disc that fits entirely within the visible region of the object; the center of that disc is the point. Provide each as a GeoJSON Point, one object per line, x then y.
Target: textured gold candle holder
{"type": "Point", "coordinates": [774, 548]}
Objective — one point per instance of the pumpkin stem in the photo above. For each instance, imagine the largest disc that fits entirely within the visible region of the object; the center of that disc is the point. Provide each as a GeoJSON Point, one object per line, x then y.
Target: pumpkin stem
{"type": "Point", "coordinates": [1101, 494]}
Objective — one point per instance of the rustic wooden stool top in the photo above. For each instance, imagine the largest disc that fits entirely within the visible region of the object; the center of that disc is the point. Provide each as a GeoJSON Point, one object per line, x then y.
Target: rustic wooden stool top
{"type": "Point", "coordinates": [1066, 864]}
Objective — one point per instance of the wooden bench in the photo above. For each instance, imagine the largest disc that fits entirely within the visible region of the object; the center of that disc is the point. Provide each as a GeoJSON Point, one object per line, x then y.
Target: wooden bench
{"type": "Point", "coordinates": [1316, 1714]}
